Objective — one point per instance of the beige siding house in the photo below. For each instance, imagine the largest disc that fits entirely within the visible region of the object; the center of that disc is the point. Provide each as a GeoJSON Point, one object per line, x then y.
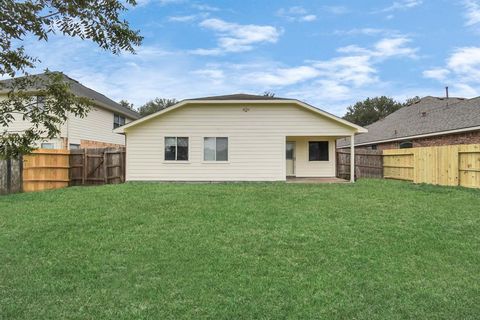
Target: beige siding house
{"type": "Point", "coordinates": [94, 130]}
{"type": "Point", "coordinates": [234, 138]}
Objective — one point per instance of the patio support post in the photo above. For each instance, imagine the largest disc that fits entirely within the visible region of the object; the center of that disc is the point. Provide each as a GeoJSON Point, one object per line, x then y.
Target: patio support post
{"type": "Point", "coordinates": [352, 158]}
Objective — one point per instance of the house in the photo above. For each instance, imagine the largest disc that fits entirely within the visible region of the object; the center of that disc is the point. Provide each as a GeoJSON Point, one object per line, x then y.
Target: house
{"type": "Point", "coordinates": [234, 138]}
{"type": "Point", "coordinates": [94, 130]}
{"type": "Point", "coordinates": [430, 121]}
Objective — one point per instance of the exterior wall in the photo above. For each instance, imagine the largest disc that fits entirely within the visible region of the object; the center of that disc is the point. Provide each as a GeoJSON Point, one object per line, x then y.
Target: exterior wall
{"type": "Point", "coordinates": [472, 137]}
{"type": "Point", "coordinates": [96, 129]}
{"type": "Point", "coordinates": [97, 126]}
{"type": "Point", "coordinates": [306, 168]}
{"type": "Point", "coordinates": [257, 136]}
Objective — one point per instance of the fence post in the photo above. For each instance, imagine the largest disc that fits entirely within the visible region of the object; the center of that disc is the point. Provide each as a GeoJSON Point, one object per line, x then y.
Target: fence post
{"type": "Point", "coordinates": [105, 167]}
{"type": "Point", "coordinates": [85, 167]}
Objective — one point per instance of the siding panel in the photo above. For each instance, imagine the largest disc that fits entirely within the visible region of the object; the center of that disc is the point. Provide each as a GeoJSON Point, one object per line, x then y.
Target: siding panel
{"type": "Point", "coordinates": [256, 143]}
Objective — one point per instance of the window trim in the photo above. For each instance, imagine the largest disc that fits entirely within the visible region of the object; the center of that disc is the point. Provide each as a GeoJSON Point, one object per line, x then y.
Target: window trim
{"type": "Point", "coordinates": [405, 142]}
{"type": "Point", "coordinates": [119, 117]}
{"type": "Point", "coordinates": [50, 143]}
{"type": "Point", "coordinates": [215, 161]}
{"type": "Point", "coordinates": [176, 145]}
{"type": "Point", "coordinates": [328, 151]}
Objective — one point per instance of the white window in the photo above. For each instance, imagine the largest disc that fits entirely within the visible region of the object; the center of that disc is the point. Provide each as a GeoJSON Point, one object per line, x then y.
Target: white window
{"type": "Point", "coordinates": [74, 146]}
{"type": "Point", "coordinates": [118, 121]}
{"type": "Point", "coordinates": [215, 149]}
{"type": "Point", "coordinates": [47, 145]}
{"type": "Point", "coordinates": [176, 148]}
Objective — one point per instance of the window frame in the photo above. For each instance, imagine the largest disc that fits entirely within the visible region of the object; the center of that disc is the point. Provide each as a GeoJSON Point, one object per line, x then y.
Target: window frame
{"type": "Point", "coordinates": [216, 161]}
{"type": "Point", "coordinates": [405, 142]}
{"type": "Point", "coordinates": [118, 124]}
{"type": "Point", "coordinates": [77, 146]}
{"type": "Point", "coordinates": [176, 149]}
{"type": "Point", "coordinates": [49, 143]}
{"type": "Point", "coordinates": [318, 141]}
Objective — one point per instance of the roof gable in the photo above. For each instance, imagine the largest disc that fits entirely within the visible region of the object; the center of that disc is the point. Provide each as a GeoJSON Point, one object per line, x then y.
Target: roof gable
{"type": "Point", "coordinates": [203, 101]}
{"type": "Point", "coordinates": [79, 90]}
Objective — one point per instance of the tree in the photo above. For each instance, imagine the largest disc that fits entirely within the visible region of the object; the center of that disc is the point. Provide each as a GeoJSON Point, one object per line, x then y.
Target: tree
{"type": "Point", "coordinates": [269, 94]}
{"type": "Point", "coordinates": [155, 105]}
{"type": "Point", "coordinates": [46, 109]}
{"type": "Point", "coordinates": [371, 110]}
{"type": "Point", "coordinates": [410, 101]}
{"type": "Point", "coordinates": [95, 20]}
{"type": "Point", "coordinates": [126, 104]}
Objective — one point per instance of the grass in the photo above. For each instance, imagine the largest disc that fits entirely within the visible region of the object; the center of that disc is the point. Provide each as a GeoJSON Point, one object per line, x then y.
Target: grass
{"type": "Point", "coordinates": [373, 250]}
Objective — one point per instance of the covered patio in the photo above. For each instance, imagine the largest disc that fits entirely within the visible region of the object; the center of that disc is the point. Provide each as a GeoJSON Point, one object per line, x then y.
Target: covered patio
{"type": "Point", "coordinates": [312, 159]}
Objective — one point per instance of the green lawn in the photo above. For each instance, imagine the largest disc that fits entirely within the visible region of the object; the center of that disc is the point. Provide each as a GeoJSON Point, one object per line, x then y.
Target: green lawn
{"type": "Point", "coordinates": [372, 250]}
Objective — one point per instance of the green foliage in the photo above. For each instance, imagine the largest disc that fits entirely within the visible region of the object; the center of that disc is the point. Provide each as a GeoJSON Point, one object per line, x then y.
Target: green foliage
{"type": "Point", "coordinates": [98, 21]}
{"type": "Point", "coordinates": [155, 105]}
{"type": "Point", "coordinates": [46, 108]}
{"type": "Point", "coordinates": [95, 20]}
{"type": "Point", "coordinates": [371, 110]}
{"type": "Point", "coordinates": [126, 104]}
{"type": "Point", "coordinates": [269, 94]}
{"type": "Point", "coordinates": [372, 250]}
{"type": "Point", "coordinates": [411, 101]}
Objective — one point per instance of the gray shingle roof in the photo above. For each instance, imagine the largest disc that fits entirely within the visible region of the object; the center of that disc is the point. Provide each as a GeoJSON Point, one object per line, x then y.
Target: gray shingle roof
{"type": "Point", "coordinates": [81, 91]}
{"type": "Point", "coordinates": [239, 96]}
{"type": "Point", "coordinates": [428, 115]}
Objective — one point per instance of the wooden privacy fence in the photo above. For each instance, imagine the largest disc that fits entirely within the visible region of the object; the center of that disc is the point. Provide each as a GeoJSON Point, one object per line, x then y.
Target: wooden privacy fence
{"type": "Point", "coordinates": [456, 165]}
{"type": "Point", "coordinates": [10, 176]}
{"type": "Point", "coordinates": [45, 169]}
{"type": "Point", "coordinates": [368, 164]}
{"type": "Point", "coordinates": [97, 166]}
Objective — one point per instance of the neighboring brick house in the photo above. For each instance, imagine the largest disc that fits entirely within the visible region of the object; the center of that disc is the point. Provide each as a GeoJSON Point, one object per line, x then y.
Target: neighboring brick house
{"type": "Point", "coordinates": [428, 122]}
{"type": "Point", "coordinates": [93, 131]}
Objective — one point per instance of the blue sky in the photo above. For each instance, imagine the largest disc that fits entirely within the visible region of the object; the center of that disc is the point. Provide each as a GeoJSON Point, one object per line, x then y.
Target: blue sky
{"type": "Point", "coordinates": [328, 53]}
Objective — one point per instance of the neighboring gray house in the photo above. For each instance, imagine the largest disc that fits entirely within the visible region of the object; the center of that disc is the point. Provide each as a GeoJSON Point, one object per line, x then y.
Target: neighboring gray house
{"type": "Point", "coordinates": [94, 130]}
{"type": "Point", "coordinates": [430, 121]}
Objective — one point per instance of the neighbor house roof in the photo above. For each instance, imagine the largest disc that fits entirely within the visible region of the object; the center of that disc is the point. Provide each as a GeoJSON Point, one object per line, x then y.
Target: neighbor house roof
{"type": "Point", "coordinates": [239, 99]}
{"type": "Point", "coordinates": [79, 90]}
{"type": "Point", "coordinates": [428, 116]}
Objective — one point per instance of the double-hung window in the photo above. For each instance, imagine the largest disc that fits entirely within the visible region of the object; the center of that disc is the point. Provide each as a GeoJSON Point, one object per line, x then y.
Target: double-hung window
{"type": "Point", "coordinates": [215, 149]}
{"type": "Point", "coordinates": [176, 148]}
{"type": "Point", "coordinates": [118, 121]}
{"type": "Point", "coordinates": [318, 151]}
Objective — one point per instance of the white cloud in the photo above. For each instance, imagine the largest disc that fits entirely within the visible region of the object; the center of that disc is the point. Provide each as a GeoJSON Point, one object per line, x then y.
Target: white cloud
{"type": "Point", "coordinates": [309, 18]}
{"type": "Point", "coordinates": [439, 74]}
{"type": "Point", "coordinates": [332, 83]}
{"type": "Point", "coordinates": [462, 69]}
{"type": "Point", "coordinates": [466, 62]}
{"type": "Point", "coordinates": [365, 32]}
{"type": "Point", "coordinates": [283, 76]}
{"type": "Point", "coordinates": [472, 12]}
{"type": "Point", "coordinates": [234, 37]}
{"type": "Point", "coordinates": [188, 18]}
{"type": "Point", "coordinates": [336, 9]}
{"type": "Point", "coordinates": [396, 46]}
{"type": "Point", "coordinates": [296, 14]}
{"type": "Point", "coordinates": [356, 70]}
{"type": "Point", "coordinates": [160, 2]}
{"type": "Point", "coordinates": [204, 7]}
{"type": "Point", "coordinates": [402, 5]}
{"type": "Point", "coordinates": [385, 48]}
